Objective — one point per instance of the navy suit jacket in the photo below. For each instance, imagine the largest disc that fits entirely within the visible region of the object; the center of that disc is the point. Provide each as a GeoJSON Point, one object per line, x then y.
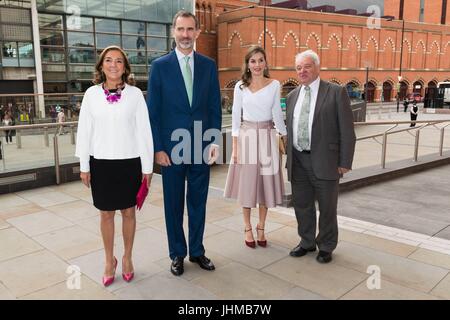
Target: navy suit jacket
{"type": "Point", "coordinates": [168, 102]}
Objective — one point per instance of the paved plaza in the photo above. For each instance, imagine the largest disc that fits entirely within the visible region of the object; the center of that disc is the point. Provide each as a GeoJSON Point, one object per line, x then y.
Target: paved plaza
{"type": "Point", "coordinates": [400, 230]}
{"type": "Point", "coordinates": [47, 234]}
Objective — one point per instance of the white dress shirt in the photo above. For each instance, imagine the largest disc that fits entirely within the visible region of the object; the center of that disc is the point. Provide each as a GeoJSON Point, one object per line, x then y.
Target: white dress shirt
{"type": "Point", "coordinates": [314, 90]}
{"type": "Point", "coordinates": [262, 105]}
{"type": "Point", "coordinates": [182, 62]}
{"type": "Point", "coordinates": [114, 131]}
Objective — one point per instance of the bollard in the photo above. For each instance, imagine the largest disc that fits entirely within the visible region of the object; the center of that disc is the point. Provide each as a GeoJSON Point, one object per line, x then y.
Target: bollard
{"type": "Point", "coordinates": [46, 136]}
{"type": "Point", "coordinates": [383, 151]}
{"type": "Point", "coordinates": [416, 145]}
{"type": "Point", "coordinates": [56, 155]}
{"type": "Point", "coordinates": [18, 139]}
{"type": "Point", "coordinates": [2, 151]}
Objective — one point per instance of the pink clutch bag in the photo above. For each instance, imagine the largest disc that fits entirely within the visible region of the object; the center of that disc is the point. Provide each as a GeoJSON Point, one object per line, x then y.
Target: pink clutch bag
{"type": "Point", "coordinates": [142, 194]}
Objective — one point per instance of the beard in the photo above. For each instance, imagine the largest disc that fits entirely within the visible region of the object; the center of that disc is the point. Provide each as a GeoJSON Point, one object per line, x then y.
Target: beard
{"type": "Point", "coordinates": [185, 44]}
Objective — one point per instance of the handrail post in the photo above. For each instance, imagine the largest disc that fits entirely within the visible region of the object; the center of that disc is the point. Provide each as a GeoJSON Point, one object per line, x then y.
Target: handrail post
{"type": "Point", "coordinates": [46, 136]}
{"type": "Point", "coordinates": [72, 135]}
{"type": "Point", "coordinates": [383, 151]}
{"type": "Point", "coordinates": [3, 154]}
{"type": "Point", "coordinates": [441, 142]}
{"type": "Point", "coordinates": [56, 155]}
{"type": "Point", "coordinates": [18, 139]}
{"type": "Point", "coordinates": [416, 145]}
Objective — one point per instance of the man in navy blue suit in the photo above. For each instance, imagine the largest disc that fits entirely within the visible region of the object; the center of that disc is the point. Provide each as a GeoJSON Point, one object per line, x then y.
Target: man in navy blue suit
{"type": "Point", "coordinates": [184, 94]}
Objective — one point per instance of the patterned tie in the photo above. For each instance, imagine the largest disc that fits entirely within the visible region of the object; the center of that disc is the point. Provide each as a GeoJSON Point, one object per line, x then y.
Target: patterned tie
{"type": "Point", "coordinates": [187, 76]}
{"type": "Point", "coordinates": [303, 123]}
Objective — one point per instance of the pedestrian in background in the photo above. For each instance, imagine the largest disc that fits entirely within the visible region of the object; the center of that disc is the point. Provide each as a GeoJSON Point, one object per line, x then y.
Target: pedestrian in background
{"type": "Point", "coordinates": [413, 112]}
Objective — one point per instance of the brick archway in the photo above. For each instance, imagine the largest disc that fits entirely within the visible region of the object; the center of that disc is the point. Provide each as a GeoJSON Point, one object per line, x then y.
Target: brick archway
{"type": "Point", "coordinates": [387, 91]}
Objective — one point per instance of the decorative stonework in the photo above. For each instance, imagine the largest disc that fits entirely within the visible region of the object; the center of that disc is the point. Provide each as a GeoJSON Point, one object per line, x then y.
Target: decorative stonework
{"type": "Point", "coordinates": [389, 39]}
{"type": "Point", "coordinates": [334, 80]}
{"type": "Point", "coordinates": [423, 46]}
{"type": "Point", "coordinates": [435, 43]}
{"type": "Point", "coordinates": [290, 80]}
{"type": "Point", "coordinates": [292, 34]}
{"type": "Point", "coordinates": [272, 37]}
{"type": "Point", "coordinates": [315, 36]}
{"type": "Point", "coordinates": [334, 35]}
{"type": "Point", "coordinates": [235, 34]}
{"type": "Point", "coordinates": [357, 41]}
{"type": "Point", "coordinates": [231, 83]}
{"type": "Point", "coordinates": [409, 45]}
{"type": "Point", "coordinates": [372, 38]}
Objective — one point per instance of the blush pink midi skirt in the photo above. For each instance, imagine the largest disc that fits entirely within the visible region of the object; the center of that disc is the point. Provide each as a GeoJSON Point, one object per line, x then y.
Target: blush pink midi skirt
{"type": "Point", "coordinates": [257, 177]}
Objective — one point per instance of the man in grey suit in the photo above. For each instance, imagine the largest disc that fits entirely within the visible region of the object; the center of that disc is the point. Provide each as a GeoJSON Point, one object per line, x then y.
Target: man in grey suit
{"type": "Point", "coordinates": [320, 148]}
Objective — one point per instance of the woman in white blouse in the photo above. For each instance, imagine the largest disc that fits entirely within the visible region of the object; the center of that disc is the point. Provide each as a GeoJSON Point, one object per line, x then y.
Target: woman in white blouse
{"type": "Point", "coordinates": [254, 176]}
{"type": "Point", "coordinates": [115, 147]}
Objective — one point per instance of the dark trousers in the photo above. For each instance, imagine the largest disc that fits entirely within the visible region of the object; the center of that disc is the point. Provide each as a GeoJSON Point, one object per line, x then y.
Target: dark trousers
{"type": "Point", "coordinates": [413, 118]}
{"type": "Point", "coordinates": [8, 134]}
{"type": "Point", "coordinates": [306, 188]}
{"type": "Point", "coordinates": [174, 176]}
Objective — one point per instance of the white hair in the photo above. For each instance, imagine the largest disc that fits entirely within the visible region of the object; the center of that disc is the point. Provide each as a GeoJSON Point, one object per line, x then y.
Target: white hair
{"type": "Point", "coordinates": [308, 54]}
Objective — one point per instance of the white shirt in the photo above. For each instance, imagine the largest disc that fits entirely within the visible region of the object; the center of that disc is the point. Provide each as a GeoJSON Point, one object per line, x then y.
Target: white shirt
{"type": "Point", "coordinates": [182, 62]}
{"type": "Point", "coordinates": [61, 117]}
{"type": "Point", "coordinates": [314, 90]}
{"type": "Point", "coordinates": [119, 130]}
{"type": "Point", "coordinates": [262, 105]}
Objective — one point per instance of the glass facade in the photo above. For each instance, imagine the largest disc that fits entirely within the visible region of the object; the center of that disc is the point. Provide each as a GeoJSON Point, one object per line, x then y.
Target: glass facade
{"type": "Point", "coordinates": [74, 33]}
{"type": "Point", "coordinates": [16, 38]}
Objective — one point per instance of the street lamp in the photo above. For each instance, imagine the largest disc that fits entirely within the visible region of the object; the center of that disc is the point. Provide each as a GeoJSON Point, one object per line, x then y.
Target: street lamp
{"type": "Point", "coordinates": [400, 69]}
{"type": "Point", "coordinates": [265, 19]}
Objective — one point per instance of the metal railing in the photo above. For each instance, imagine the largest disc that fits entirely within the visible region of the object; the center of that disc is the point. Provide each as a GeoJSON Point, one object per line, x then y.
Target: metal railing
{"type": "Point", "coordinates": [392, 129]}
{"type": "Point", "coordinates": [46, 130]}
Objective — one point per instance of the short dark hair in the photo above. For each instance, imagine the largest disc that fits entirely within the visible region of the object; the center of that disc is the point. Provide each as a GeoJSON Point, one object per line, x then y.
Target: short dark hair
{"type": "Point", "coordinates": [185, 14]}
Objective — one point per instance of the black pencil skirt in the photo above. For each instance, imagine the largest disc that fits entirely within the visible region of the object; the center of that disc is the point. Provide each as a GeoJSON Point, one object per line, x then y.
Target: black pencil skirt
{"type": "Point", "coordinates": [115, 183]}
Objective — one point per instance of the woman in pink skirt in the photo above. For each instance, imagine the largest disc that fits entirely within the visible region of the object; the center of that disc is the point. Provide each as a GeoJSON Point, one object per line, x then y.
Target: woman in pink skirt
{"type": "Point", "coordinates": [254, 176]}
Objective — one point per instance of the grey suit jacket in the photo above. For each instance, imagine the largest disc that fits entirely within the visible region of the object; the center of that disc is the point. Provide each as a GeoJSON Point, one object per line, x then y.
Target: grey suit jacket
{"type": "Point", "coordinates": [333, 136]}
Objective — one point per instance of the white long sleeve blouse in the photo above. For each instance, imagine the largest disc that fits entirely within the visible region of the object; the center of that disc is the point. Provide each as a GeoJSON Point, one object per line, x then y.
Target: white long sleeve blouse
{"type": "Point", "coordinates": [262, 105]}
{"type": "Point", "coordinates": [114, 131]}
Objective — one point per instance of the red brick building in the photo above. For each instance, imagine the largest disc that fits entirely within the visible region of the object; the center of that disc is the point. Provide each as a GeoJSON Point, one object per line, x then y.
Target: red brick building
{"type": "Point", "coordinates": [346, 44]}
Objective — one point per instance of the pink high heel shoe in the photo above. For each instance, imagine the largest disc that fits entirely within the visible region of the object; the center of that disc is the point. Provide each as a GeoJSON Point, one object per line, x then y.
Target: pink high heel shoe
{"type": "Point", "coordinates": [127, 276]}
{"type": "Point", "coordinates": [109, 280]}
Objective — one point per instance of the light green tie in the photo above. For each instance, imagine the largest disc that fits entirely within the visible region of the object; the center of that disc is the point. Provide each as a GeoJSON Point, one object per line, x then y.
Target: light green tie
{"type": "Point", "coordinates": [187, 76]}
{"type": "Point", "coordinates": [303, 122]}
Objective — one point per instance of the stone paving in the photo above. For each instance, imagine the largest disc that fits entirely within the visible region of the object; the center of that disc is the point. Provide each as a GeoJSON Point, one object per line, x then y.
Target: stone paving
{"type": "Point", "coordinates": [45, 234]}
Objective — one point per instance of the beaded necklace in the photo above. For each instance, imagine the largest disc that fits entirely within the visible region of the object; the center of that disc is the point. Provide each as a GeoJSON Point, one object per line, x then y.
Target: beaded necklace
{"type": "Point", "coordinates": [113, 97]}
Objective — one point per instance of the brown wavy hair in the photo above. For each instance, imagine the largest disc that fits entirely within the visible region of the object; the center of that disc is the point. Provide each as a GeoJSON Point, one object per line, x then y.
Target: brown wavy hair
{"type": "Point", "coordinates": [99, 76]}
{"type": "Point", "coordinates": [246, 75]}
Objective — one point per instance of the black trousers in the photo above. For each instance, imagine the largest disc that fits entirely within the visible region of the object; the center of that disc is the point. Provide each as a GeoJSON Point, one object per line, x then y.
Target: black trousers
{"type": "Point", "coordinates": [8, 134]}
{"type": "Point", "coordinates": [413, 118]}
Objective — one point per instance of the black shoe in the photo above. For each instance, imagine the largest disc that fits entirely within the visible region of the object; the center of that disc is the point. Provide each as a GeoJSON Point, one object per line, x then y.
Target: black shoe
{"type": "Point", "coordinates": [298, 251]}
{"type": "Point", "coordinates": [177, 266]}
{"type": "Point", "coordinates": [203, 262]}
{"type": "Point", "coordinates": [324, 257]}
